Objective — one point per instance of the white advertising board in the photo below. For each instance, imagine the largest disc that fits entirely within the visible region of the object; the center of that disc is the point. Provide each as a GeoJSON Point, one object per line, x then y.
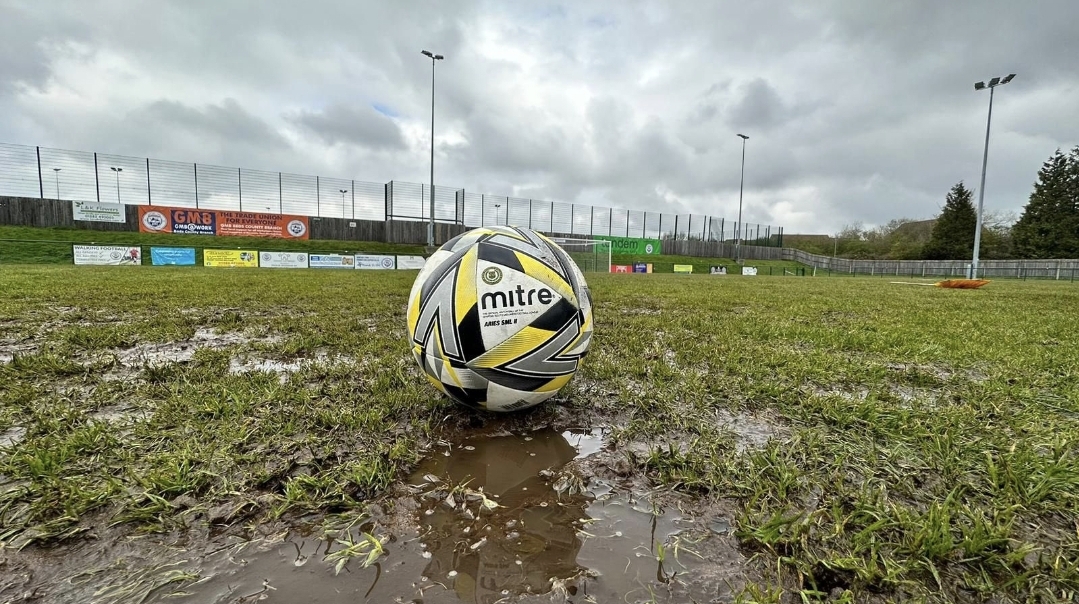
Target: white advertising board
{"type": "Point", "coordinates": [283, 259]}
{"type": "Point", "coordinates": [410, 262]}
{"type": "Point", "coordinates": [373, 262]}
{"type": "Point", "coordinates": [331, 261]}
{"type": "Point", "coordinates": [107, 254]}
{"type": "Point", "coordinates": [98, 212]}
{"type": "Point", "coordinates": [749, 270]}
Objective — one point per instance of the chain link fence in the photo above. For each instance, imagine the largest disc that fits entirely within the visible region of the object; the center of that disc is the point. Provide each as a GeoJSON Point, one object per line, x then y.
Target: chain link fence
{"type": "Point", "coordinates": [41, 172]}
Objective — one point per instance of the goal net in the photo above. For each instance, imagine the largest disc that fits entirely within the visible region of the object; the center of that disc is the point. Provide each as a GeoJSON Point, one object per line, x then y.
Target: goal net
{"type": "Point", "coordinates": [591, 255]}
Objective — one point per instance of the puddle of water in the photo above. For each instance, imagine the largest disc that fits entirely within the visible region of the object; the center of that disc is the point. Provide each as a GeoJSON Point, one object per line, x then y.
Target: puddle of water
{"type": "Point", "coordinates": [247, 364]}
{"type": "Point", "coordinates": [488, 526]}
{"type": "Point", "coordinates": [115, 414]}
{"type": "Point", "coordinates": [156, 354]}
{"type": "Point", "coordinates": [182, 352]}
{"type": "Point", "coordinates": [752, 432]}
{"type": "Point", "coordinates": [9, 350]}
{"type": "Point", "coordinates": [12, 436]}
{"type": "Point", "coordinates": [587, 442]}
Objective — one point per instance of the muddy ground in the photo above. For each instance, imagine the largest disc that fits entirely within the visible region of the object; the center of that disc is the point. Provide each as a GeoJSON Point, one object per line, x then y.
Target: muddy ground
{"type": "Point", "coordinates": [535, 507]}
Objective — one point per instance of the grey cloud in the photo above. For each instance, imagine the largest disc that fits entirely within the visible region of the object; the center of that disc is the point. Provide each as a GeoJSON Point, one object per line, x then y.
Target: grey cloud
{"type": "Point", "coordinates": [227, 121]}
{"type": "Point", "coordinates": [856, 112]}
{"type": "Point", "coordinates": [361, 126]}
{"type": "Point", "coordinates": [22, 61]}
{"type": "Point", "coordinates": [759, 107]}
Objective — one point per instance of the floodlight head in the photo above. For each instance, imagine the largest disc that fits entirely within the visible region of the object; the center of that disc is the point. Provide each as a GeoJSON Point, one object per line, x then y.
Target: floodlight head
{"type": "Point", "coordinates": [744, 137]}
{"type": "Point", "coordinates": [56, 169]}
{"type": "Point", "coordinates": [343, 190]}
{"type": "Point", "coordinates": [994, 82]}
{"type": "Point", "coordinates": [979, 86]}
{"type": "Point", "coordinates": [427, 53]}
{"type": "Point", "coordinates": [115, 169]}
{"type": "Point", "coordinates": [439, 57]}
{"type": "Point", "coordinates": [1007, 78]}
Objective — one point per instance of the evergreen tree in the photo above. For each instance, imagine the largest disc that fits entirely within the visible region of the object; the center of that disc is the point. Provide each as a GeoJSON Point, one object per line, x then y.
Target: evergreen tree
{"type": "Point", "coordinates": [953, 233]}
{"type": "Point", "coordinates": [1049, 226]}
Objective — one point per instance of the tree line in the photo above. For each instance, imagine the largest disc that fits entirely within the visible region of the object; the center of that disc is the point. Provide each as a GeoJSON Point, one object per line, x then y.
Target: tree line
{"type": "Point", "coordinates": [1047, 228]}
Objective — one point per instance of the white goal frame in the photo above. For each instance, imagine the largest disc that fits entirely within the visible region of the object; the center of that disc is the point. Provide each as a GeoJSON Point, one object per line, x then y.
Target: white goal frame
{"type": "Point", "coordinates": [578, 247]}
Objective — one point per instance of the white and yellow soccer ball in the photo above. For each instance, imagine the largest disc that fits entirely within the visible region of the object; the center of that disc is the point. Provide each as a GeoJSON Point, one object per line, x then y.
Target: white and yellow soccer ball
{"type": "Point", "coordinates": [500, 318]}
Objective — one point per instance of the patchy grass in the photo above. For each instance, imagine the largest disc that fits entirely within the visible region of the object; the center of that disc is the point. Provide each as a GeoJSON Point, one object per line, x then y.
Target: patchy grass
{"type": "Point", "coordinates": [34, 245]}
{"type": "Point", "coordinates": [922, 442]}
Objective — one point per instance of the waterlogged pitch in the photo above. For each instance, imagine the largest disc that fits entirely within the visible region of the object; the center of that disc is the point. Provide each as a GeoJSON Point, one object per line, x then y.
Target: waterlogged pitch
{"type": "Point", "coordinates": [201, 435]}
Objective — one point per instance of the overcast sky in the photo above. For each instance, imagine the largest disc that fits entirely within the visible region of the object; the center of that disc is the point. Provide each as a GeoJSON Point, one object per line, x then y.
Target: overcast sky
{"type": "Point", "coordinates": [857, 111]}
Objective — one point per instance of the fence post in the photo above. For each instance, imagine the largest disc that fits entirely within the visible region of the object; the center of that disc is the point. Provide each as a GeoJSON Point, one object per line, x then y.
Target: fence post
{"type": "Point", "coordinates": [40, 182]}
{"type": "Point", "coordinates": [318, 201]}
{"type": "Point", "coordinates": [483, 209]}
{"type": "Point", "coordinates": [1058, 270]}
{"type": "Point", "coordinates": [196, 186]}
{"type": "Point", "coordinates": [240, 188]}
{"type": "Point", "coordinates": [387, 204]}
{"type": "Point", "coordinates": [149, 197]}
{"type": "Point", "coordinates": [280, 196]}
{"type": "Point", "coordinates": [610, 222]}
{"type": "Point", "coordinates": [97, 183]}
{"type": "Point", "coordinates": [354, 199]}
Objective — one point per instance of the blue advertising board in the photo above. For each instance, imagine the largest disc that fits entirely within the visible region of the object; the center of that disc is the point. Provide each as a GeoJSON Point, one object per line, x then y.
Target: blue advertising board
{"type": "Point", "coordinates": [182, 256]}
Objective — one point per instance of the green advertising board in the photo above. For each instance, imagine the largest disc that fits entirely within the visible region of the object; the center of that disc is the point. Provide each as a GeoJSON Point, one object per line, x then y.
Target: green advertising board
{"type": "Point", "coordinates": [630, 245]}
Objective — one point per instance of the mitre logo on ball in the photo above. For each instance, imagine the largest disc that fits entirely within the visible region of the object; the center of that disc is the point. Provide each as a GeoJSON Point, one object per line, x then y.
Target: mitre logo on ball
{"type": "Point", "coordinates": [500, 318]}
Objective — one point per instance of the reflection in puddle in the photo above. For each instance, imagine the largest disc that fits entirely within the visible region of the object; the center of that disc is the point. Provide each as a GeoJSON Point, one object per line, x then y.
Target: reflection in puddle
{"type": "Point", "coordinates": [497, 520]}
{"type": "Point", "coordinates": [493, 525]}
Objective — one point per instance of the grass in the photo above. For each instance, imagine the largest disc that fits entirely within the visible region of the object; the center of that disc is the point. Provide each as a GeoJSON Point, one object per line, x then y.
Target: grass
{"type": "Point", "coordinates": [33, 245]}
{"type": "Point", "coordinates": [926, 442]}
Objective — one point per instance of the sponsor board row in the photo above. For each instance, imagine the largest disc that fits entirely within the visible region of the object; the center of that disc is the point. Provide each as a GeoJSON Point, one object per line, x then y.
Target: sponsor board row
{"type": "Point", "coordinates": [641, 267]}
{"type": "Point", "coordinates": [637, 267]}
{"type": "Point", "coordinates": [185, 256]}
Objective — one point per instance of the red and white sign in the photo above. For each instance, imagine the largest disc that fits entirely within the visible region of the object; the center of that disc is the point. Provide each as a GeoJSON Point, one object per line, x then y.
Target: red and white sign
{"type": "Point", "coordinates": [621, 268]}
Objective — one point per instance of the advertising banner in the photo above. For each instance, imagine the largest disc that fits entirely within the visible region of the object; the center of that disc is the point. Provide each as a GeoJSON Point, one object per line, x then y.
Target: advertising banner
{"type": "Point", "coordinates": [749, 270]}
{"type": "Point", "coordinates": [331, 261]}
{"type": "Point", "coordinates": [230, 258]}
{"type": "Point", "coordinates": [621, 268]}
{"type": "Point", "coordinates": [178, 256]}
{"type": "Point", "coordinates": [107, 254]}
{"type": "Point", "coordinates": [282, 260]}
{"type": "Point", "coordinates": [629, 245]}
{"type": "Point", "coordinates": [93, 211]}
{"type": "Point", "coordinates": [717, 270]}
{"type": "Point", "coordinates": [683, 268]}
{"type": "Point", "coordinates": [411, 262]}
{"type": "Point", "coordinates": [641, 267]}
{"type": "Point", "coordinates": [373, 262]}
{"type": "Point", "coordinates": [157, 219]}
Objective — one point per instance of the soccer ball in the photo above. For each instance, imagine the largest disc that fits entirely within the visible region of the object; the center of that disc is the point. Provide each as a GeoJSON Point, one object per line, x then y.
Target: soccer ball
{"type": "Point", "coordinates": [499, 318]}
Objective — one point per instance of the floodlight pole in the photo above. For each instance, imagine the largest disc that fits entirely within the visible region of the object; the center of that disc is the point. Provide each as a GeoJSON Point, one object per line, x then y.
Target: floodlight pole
{"type": "Point", "coordinates": [497, 205]}
{"type": "Point", "coordinates": [741, 184]}
{"type": "Point", "coordinates": [117, 171]}
{"type": "Point", "coordinates": [993, 83]}
{"type": "Point", "coordinates": [431, 224]}
{"type": "Point", "coordinates": [56, 171]}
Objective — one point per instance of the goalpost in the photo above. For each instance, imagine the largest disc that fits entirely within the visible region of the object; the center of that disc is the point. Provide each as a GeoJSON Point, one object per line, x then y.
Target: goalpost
{"type": "Point", "coordinates": [591, 255]}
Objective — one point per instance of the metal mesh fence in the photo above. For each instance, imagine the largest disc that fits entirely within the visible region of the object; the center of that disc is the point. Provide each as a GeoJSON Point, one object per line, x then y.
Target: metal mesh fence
{"type": "Point", "coordinates": [86, 176]}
